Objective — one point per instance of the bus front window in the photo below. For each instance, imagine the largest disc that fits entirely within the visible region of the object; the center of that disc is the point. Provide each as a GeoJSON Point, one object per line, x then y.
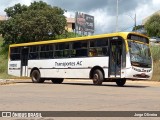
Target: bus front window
{"type": "Point", "coordinates": [140, 55]}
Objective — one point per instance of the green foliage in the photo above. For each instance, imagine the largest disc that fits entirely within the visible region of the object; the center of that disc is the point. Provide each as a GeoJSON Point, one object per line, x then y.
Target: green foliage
{"type": "Point", "coordinates": [153, 26]}
{"type": "Point", "coordinates": [3, 58]}
{"type": "Point", "coordinates": [36, 22]}
{"type": "Point", "coordinates": [67, 35]}
{"type": "Point", "coordinates": [155, 50]}
{"type": "Point", "coordinates": [156, 71]}
{"type": "Point", "coordinates": [138, 27]}
{"type": "Point", "coordinates": [17, 9]}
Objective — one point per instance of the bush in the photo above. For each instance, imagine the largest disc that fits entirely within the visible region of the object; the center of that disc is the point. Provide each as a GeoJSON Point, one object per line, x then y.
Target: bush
{"type": "Point", "coordinates": [3, 58]}
{"type": "Point", "coordinates": [155, 50]}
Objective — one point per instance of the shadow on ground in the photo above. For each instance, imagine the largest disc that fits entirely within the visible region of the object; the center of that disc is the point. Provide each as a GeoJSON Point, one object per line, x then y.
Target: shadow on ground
{"type": "Point", "coordinates": [84, 84]}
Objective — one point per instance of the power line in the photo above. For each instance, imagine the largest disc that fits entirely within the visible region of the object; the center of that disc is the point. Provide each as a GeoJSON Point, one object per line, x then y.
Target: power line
{"type": "Point", "coordinates": [123, 29]}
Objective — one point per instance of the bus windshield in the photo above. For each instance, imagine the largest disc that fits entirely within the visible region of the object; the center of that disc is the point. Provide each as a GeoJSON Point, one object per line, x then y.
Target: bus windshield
{"type": "Point", "coordinates": [140, 54]}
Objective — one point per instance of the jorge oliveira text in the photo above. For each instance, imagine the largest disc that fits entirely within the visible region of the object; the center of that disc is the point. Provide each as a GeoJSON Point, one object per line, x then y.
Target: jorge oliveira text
{"type": "Point", "coordinates": [145, 114]}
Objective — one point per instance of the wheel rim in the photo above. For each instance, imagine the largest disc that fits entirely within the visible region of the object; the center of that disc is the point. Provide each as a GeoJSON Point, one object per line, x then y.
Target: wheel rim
{"type": "Point", "coordinates": [35, 76]}
{"type": "Point", "coordinates": [95, 78]}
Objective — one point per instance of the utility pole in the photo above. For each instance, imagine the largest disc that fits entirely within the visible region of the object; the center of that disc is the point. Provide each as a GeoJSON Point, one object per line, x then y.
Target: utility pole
{"type": "Point", "coordinates": [117, 18]}
{"type": "Point", "coordinates": [135, 21]}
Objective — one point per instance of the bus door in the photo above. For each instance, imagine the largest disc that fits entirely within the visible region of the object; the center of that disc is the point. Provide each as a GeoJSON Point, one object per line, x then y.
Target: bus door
{"type": "Point", "coordinates": [24, 61]}
{"type": "Point", "coordinates": [115, 58]}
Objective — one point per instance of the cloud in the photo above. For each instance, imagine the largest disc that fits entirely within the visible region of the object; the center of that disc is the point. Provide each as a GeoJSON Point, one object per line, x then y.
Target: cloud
{"type": "Point", "coordinates": [9, 3]}
{"type": "Point", "coordinates": [104, 11]}
{"type": "Point", "coordinates": [103, 21]}
{"type": "Point", "coordinates": [92, 5]}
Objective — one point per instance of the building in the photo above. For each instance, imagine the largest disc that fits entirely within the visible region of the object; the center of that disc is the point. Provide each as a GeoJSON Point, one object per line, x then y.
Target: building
{"type": "Point", "coordinates": [2, 17]}
{"type": "Point", "coordinates": [70, 24]}
{"type": "Point", "coordinates": [147, 18]}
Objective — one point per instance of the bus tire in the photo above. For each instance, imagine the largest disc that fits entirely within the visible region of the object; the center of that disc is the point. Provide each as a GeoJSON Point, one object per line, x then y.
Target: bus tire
{"type": "Point", "coordinates": [57, 80]}
{"type": "Point", "coordinates": [36, 77]}
{"type": "Point", "coordinates": [120, 82]}
{"type": "Point", "coordinates": [98, 77]}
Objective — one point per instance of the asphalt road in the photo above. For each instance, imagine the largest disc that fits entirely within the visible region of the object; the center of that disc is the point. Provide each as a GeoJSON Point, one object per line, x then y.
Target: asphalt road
{"type": "Point", "coordinates": [80, 95]}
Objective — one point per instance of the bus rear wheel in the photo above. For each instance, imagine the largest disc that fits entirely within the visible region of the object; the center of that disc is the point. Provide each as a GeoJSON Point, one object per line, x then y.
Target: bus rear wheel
{"type": "Point", "coordinates": [98, 77]}
{"type": "Point", "coordinates": [57, 80]}
{"type": "Point", "coordinates": [120, 82]}
{"type": "Point", "coordinates": [36, 77]}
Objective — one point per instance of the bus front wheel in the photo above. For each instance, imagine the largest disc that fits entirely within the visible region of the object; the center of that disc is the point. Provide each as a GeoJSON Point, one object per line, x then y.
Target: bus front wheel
{"type": "Point", "coordinates": [97, 77]}
{"type": "Point", "coordinates": [121, 82]}
{"type": "Point", "coordinates": [57, 80]}
{"type": "Point", "coordinates": [36, 77]}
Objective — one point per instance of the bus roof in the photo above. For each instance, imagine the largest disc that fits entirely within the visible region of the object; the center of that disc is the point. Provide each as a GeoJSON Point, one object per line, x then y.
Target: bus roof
{"type": "Point", "coordinates": [121, 34]}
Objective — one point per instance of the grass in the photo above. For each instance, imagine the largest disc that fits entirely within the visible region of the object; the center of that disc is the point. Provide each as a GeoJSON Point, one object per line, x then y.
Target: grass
{"type": "Point", "coordinates": [4, 62]}
{"type": "Point", "coordinates": [156, 71]}
{"type": "Point", "coordinates": [155, 50]}
{"type": "Point", "coordinates": [4, 56]}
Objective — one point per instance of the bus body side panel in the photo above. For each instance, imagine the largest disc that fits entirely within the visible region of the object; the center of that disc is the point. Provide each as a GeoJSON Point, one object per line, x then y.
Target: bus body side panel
{"type": "Point", "coordinates": [66, 73]}
{"type": "Point", "coordinates": [69, 67]}
{"type": "Point", "coordinates": [14, 68]}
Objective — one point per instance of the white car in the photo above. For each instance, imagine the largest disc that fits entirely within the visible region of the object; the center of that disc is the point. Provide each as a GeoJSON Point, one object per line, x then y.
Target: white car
{"type": "Point", "coordinates": [155, 39]}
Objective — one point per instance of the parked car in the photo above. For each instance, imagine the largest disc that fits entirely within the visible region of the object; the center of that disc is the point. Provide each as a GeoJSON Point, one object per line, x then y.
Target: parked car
{"type": "Point", "coordinates": [155, 39]}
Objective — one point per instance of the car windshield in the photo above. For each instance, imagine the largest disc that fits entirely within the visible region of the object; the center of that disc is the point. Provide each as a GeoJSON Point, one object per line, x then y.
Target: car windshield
{"type": "Point", "coordinates": [140, 54]}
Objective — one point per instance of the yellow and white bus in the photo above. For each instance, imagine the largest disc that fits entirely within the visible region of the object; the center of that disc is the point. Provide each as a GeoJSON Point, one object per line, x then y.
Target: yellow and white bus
{"type": "Point", "coordinates": [112, 57]}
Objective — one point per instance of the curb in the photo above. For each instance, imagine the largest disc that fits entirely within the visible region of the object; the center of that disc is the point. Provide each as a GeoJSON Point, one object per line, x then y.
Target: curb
{"type": "Point", "coordinates": [6, 81]}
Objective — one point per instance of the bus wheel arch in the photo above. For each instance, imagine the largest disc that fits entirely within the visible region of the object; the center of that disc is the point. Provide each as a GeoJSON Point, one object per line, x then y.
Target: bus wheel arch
{"type": "Point", "coordinates": [36, 76]}
{"type": "Point", "coordinates": [97, 74]}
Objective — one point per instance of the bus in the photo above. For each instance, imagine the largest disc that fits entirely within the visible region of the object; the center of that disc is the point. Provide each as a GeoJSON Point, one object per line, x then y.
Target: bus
{"type": "Point", "coordinates": [114, 57]}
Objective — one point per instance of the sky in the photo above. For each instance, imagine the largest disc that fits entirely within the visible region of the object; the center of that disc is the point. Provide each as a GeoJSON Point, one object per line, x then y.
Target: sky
{"type": "Point", "coordinates": [104, 11]}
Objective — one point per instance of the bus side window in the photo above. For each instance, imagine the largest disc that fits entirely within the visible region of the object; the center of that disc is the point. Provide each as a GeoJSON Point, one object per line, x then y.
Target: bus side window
{"type": "Point", "coordinates": [58, 53]}
{"type": "Point", "coordinates": [98, 47]}
{"type": "Point", "coordinates": [34, 52]}
{"type": "Point", "coordinates": [105, 51]}
{"type": "Point", "coordinates": [62, 50]}
{"type": "Point", "coordinates": [66, 51]}
{"type": "Point", "coordinates": [80, 49]}
{"type": "Point", "coordinates": [73, 53]}
{"type": "Point", "coordinates": [81, 52]}
{"type": "Point", "coordinates": [46, 51]}
{"type": "Point", "coordinates": [15, 53]}
{"type": "Point", "coordinates": [93, 52]}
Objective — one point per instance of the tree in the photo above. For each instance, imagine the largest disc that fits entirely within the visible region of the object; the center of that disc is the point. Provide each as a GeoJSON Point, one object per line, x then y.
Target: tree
{"type": "Point", "coordinates": [17, 9]}
{"type": "Point", "coordinates": [36, 22]}
{"type": "Point", "coordinates": [152, 26]}
{"type": "Point", "coordinates": [138, 27]}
